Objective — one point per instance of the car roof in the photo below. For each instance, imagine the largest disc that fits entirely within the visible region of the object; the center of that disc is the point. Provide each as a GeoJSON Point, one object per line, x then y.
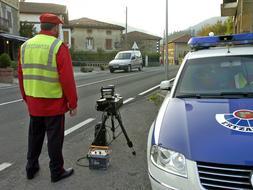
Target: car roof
{"type": "Point", "coordinates": [221, 51]}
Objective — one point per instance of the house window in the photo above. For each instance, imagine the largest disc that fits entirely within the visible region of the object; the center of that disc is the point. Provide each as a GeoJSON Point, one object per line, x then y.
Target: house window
{"type": "Point", "coordinates": [89, 43]}
{"type": "Point", "coordinates": [89, 31]}
{"type": "Point", "coordinates": [9, 17]}
{"type": "Point", "coordinates": [108, 44]}
{"type": "Point", "coordinates": [4, 11]}
{"type": "Point", "coordinates": [108, 32]}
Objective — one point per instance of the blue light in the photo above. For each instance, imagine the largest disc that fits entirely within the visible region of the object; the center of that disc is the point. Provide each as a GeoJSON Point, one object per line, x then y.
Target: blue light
{"type": "Point", "coordinates": [212, 41]}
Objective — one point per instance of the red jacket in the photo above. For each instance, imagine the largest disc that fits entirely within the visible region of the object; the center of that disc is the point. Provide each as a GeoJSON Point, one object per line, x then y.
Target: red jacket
{"type": "Point", "coordinates": [54, 106]}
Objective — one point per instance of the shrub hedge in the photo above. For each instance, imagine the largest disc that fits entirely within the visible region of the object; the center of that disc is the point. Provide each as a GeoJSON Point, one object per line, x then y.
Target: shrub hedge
{"type": "Point", "coordinates": [93, 56]}
{"type": "Point", "coordinates": [5, 60]}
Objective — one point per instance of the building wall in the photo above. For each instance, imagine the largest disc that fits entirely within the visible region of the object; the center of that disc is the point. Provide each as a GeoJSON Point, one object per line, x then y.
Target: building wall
{"type": "Point", "coordinates": [171, 51]}
{"type": "Point", "coordinates": [180, 51]}
{"type": "Point", "coordinates": [149, 46]}
{"type": "Point", "coordinates": [34, 19]}
{"type": "Point", "coordinates": [99, 36]}
{"type": "Point", "coordinates": [177, 51]}
{"type": "Point", "coordinates": [9, 16]}
{"type": "Point", "coordinates": [12, 3]}
{"type": "Point", "coordinates": [244, 17]}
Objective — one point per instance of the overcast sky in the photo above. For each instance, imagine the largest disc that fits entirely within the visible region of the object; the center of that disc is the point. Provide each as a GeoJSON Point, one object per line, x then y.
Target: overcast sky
{"type": "Point", "coordinates": [148, 15]}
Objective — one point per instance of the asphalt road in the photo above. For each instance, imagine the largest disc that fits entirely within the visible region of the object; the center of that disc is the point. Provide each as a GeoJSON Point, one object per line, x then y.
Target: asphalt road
{"type": "Point", "coordinates": [125, 172]}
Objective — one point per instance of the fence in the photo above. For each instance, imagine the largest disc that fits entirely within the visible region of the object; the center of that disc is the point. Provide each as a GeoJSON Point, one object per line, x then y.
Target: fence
{"type": "Point", "coordinates": [90, 63]}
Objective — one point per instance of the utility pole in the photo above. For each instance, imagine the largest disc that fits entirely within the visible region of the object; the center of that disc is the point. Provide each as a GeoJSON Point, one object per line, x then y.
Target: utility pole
{"type": "Point", "coordinates": [163, 49]}
{"type": "Point", "coordinates": [126, 30]}
{"type": "Point", "coordinates": [166, 43]}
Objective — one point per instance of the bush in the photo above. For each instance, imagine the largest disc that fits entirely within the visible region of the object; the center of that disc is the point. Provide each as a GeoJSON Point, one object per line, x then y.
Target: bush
{"type": "Point", "coordinates": [153, 57]}
{"type": "Point", "coordinates": [14, 65]}
{"type": "Point", "coordinates": [93, 56]}
{"type": "Point", "coordinates": [5, 60]}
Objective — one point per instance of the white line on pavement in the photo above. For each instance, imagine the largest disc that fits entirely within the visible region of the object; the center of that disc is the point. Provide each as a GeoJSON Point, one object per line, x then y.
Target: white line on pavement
{"type": "Point", "coordinates": [8, 87]}
{"type": "Point", "coordinates": [4, 165]}
{"type": "Point", "coordinates": [128, 100]}
{"type": "Point", "coordinates": [149, 90]}
{"type": "Point", "coordinates": [82, 85]}
{"type": "Point", "coordinates": [78, 126]}
{"type": "Point", "coordinates": [14, 101]}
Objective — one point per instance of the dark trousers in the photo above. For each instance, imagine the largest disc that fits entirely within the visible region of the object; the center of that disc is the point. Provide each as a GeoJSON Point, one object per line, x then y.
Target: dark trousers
{"type": "Point", "coordinates": [53, 126]}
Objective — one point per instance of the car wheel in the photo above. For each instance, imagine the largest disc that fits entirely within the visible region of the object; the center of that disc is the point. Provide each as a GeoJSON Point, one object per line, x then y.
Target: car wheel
{"type": "Point", "coordinates": [111, 70]}
{"type": "Point", "coordinates": [129, 68]}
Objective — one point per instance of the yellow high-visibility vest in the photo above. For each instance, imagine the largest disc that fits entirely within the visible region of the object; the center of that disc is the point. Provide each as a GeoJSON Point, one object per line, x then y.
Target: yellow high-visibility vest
{"type": "Point", "coordinates": [38, 62]}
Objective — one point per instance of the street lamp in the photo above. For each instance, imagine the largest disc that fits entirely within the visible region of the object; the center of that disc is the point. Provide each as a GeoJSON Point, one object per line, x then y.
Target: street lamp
{"type": "Point", "coordinates": [126, 30]}
{"type": "Point", "coordinates": [166, 43]}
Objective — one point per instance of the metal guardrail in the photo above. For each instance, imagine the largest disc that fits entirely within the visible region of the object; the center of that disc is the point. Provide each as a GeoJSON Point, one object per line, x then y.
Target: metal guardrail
{"type": "Point", "coordinates": [104, 63]}
{"type": "Point", "coordinates": [90, 63]}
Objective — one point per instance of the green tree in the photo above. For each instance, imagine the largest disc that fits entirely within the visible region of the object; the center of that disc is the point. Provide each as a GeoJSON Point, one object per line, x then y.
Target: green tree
{"type": "Point", "coordinates": [219, 28]}
{"type": "Point", "coordinates": [230, 25]}
{"type": "Point", "coordinates": [27, 29]}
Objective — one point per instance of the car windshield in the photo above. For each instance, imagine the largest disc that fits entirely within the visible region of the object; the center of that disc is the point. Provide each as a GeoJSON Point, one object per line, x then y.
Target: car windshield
{"type": "Point", "coordinates": [123, 56]}
{"type": "Point", "coordinates": [216, 76]}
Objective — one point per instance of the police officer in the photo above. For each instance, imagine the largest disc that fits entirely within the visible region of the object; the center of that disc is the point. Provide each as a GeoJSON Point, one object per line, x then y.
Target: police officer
{"type": "Point", "coordinates": [48, 87]}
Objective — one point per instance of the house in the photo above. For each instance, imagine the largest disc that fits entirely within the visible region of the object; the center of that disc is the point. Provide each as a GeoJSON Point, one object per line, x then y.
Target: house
{"type": "Point", "coordinates": [30, 12]}
{"type": "Point", "coordinates": [9, 28]}
{"type": "Point", "coordinates": [242, 13]}
{"type": "Point", "coordinates": [147, 43]}
{"type": "Point", "coordinates": [178, 48]}
{"type": "Point", "coordinates": [93, 35]}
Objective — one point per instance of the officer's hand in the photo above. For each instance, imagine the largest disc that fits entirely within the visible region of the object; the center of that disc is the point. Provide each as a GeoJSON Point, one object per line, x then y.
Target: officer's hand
{"type": "Point", "coordinates": [73, 112]}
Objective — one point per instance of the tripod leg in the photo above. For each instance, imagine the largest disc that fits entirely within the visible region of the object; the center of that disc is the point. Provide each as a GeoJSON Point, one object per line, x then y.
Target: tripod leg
{"type": "Point", "coordinates": [100, 133]}
{"type": "Point", "coordinates": [129, 142]}
{"type": "Point", "coordinates": [113, 127]}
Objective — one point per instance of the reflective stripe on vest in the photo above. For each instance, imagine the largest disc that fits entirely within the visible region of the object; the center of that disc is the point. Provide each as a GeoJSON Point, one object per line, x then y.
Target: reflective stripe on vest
{"type": "Point", "coordinates": [38, 62]}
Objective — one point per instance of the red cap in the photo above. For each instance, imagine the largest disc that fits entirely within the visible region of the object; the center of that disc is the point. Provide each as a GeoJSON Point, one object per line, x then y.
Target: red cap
{"type": "Point", "coordinates": [50, 18]}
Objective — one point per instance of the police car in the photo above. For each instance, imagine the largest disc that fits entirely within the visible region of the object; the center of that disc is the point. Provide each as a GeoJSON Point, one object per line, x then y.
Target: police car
{"type": "Point", "coordinates": [202, 137]}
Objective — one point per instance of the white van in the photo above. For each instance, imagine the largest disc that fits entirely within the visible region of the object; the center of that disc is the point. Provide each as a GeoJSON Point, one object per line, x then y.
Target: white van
{"type": "Point", "coordinates": [126, 60]}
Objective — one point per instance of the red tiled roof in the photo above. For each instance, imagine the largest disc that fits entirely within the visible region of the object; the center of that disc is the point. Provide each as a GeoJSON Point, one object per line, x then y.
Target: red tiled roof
{"type": "Point", "coordinates": [181, 39]}
{"type": "Point", "coordinates": [90, 23]}
{"type": "Point", "coordinates": [38, 8]}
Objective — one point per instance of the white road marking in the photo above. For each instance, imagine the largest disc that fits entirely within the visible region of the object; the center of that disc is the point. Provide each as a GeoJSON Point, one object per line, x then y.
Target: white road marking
{"type": "Point", "coordinates": [4, 165]}
{"type": "Point", "coordinates": [8, 87]}
{"type": "Point", "coordinates": [78, 126]}
{"type": "Point", "coordinates": [128, 100]}
{"type": "Point", "coordinates": [11, 102]}
{"type": "Point", "coordinates": [83, 85]}
{"type": "Point", "coordinates": [145, 92]}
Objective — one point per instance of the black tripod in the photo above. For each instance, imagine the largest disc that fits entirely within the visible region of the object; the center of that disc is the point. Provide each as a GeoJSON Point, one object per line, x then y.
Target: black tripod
{"type": "Point", "coordinates": [100, 135]}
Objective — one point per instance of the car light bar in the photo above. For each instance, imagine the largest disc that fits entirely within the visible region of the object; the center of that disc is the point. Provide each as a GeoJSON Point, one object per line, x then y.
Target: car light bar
{"type": "Point", "coordinates": [212, 41]}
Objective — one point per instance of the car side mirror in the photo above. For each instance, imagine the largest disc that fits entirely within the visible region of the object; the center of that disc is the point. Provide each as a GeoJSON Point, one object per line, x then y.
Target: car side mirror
{"type": "Point", "coordinates": [166, 85]}
{"type": "Point", "coordinates": [133, 58]}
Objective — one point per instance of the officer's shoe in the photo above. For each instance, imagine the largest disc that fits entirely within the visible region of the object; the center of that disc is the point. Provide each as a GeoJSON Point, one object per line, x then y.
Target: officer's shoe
{"type": "Point", "coordinates": [68, 172]}
{"type": "Point", "coordinates": [30, 174]}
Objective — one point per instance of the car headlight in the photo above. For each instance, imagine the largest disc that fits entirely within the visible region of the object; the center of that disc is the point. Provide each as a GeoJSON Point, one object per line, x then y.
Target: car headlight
{"type": "Point", "coordinates": [169, 161]}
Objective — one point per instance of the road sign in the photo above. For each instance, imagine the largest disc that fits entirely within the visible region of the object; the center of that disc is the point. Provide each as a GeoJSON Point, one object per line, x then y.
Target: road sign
{"type": "Point", "coordinates": [135, 46]}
